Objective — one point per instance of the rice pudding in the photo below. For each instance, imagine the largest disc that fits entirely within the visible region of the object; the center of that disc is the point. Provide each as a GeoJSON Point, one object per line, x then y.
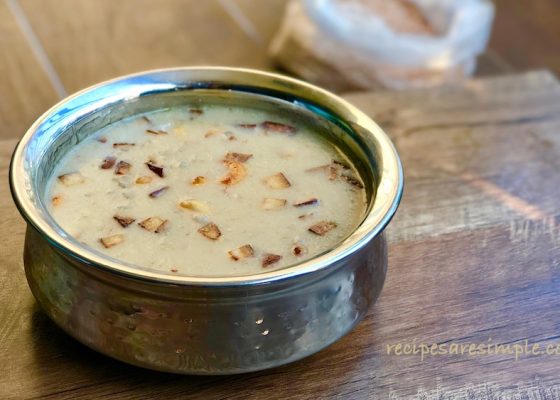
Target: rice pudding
{"type": "Point", "coordinates": [207, 191]}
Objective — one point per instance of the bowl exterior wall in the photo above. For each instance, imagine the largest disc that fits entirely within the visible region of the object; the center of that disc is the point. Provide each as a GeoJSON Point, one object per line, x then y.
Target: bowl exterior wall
{"type": "Point", "coordinates": [197, 330]}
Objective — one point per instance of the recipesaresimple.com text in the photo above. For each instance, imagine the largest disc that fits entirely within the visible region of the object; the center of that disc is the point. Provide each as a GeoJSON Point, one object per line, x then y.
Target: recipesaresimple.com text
{"type": "Point", "coordinates": [518, 349]}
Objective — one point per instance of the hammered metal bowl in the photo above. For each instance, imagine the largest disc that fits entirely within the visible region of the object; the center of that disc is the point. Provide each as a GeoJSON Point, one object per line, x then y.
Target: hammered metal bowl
{"type": "Point", "coordinates": [201, 324]}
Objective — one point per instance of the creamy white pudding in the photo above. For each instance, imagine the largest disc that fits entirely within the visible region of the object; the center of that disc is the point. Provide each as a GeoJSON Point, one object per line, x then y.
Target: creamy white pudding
{"type": "Point", "coordinates": [211, 191]}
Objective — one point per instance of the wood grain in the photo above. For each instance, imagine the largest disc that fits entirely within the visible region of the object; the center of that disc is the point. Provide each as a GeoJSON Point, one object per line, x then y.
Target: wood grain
{"type": "Point", "coordinates": [88, 42]}
{"type": "Point", "coordinates": [25, 91]}
{"type": "Point", "coordinates": [526, 33]}
{"type": "Point", "coordinates": [474, 256]}
{"type": "Point", "coordinates": [264, 15]}
{"type": "Point", "coordinates": [472, 134]}
{"type": "Point", "coordinates": [490, 63]}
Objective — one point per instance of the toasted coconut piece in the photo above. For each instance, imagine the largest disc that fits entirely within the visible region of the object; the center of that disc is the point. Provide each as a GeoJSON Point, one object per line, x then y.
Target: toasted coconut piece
{"type": "Point", "coordinates": [102, 139]}
{"type": "Point", "coordinates": [199, 180]}
{"type": "Point", "coordinates": [278, 127]}
{"type": "Point", "coordinates": [237, 157]}
{"type": "Point", "coordinates": [71, 179]}
{"type": "Point", "coordinates": [158, 192]}
{"type": "Point", "coordinates": [320, 228]}
{"type": "Point", "coordinates": [123, 221]}
{"type": "Point", "coordinates": [304, 216]}
{"type": "Point", "coordinates": [195, 205]}
{"type": "Point", "coordinates": [108, 162]}
{"type": "Point", "coordinates": [122, 168]}
{"type": "Point", "coordinates": [309, 202]}
{"type": "Point", "coordinates": [153, 224]}
{"type": "Point", "coordinates": [334, 171]}
{"type": "Point", "coordinates": [339, 170]}
{"type": "Point", "coordinates": [173, 269]}
{"type": "Point", "coordinates": [56, 200]}
{"type": "Point", "coordinates": [269, 259]}
{"type": "Point", "coordinates": [146, 119]}
{"type": "Point", "coordinates": [299, 250]}
{"type": "Point", "coordinates": [113, 240]}
{"type": "Point", "coordinates": [156, 169]}
{"type": "Point", "coordinates": [211, 231]}
{"type": "Point", "coordinates": [210, 133]}
{"type": "Point", "coordinates": [273, 204]}
{"type": "Point", "coordinates": [353, 181]}
{"type": "Point", "coordinates": [142, 180]}
{"type": "Point", "coordinates": [277, 181]}
{"type": "Point", "coordinates": [237, 172]}
{"type": "Point", "coordinates": [156, 132]}
{"type": "Point", "coordinates": [195, 112]}
{"type": "Point", "coordinates": [246, 126]}
{"type": "Point", "coordinates": [241, 253]}
{"type": "Point", "coordinates": [122, 144]}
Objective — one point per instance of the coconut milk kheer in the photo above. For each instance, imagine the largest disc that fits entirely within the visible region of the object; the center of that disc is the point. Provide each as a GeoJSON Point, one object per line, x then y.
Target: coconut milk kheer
{"type": "Point", "coordinates": [210, 191]}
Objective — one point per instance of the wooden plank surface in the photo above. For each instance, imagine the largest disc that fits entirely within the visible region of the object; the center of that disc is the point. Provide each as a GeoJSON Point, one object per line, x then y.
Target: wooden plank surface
{"type": "Point", "coordinates": [25, 90]}
{"type": "Point", "coordinates": [525, 34]}
{"type": "Point", "coordinates": [474, 256]}
{"type": "Point", "coordinates": [475, 135]}
{"type": "Point", "coordinates": [90, 41]}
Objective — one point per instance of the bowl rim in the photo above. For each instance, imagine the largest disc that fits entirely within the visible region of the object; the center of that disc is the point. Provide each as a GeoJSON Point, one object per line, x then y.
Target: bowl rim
{"type": "Point", "coordinates": [375, 220]}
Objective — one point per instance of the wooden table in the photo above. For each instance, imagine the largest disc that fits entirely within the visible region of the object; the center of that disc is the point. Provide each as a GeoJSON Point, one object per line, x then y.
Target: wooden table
{"type": "Point", "coordinates": [474, 248]}
{"type": "Point", "coordinates": [474, 255]}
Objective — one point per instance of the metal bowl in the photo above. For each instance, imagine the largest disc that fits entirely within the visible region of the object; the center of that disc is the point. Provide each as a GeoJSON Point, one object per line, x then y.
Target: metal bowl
{"type": "Point", "coordinates": [200, 324]}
